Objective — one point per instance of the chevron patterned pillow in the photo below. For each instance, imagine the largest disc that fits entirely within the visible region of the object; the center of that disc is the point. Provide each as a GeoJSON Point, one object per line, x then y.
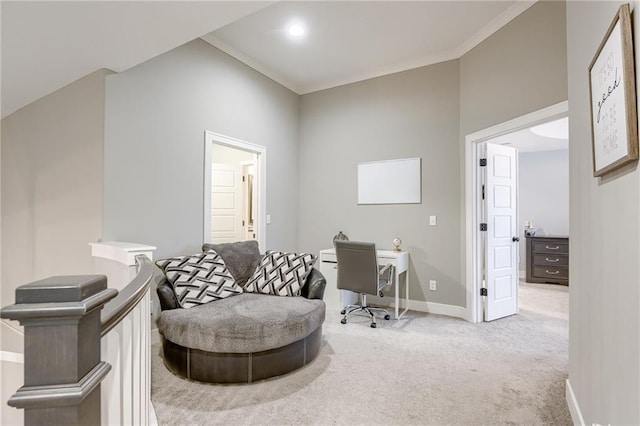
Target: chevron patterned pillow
{"type": "Point", "coordinates": [281, 274]}
{"type": "Point", "coordinates": [200, 278]}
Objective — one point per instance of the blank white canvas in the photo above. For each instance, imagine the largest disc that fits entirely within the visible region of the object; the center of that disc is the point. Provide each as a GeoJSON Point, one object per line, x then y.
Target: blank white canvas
{"type": "Point", "coordinates": [390, 182]}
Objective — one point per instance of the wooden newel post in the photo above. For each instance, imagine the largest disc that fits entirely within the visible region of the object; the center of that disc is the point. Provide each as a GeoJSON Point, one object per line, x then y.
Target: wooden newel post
{"type": "Point", "coordinates": [62, 367]}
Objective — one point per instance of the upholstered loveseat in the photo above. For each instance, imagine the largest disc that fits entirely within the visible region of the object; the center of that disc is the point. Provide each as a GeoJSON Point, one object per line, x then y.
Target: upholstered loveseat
{"type": "Point", "coordinates": [246, 337]}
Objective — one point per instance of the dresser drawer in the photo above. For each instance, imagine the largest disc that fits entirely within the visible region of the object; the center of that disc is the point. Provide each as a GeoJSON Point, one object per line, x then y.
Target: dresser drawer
{"type": "Point", "coordinates": [551, 259]}
{"type": "Point", "coordinates": [550, 272]}
{"type": "Point", "coordinates": [550, 247]}
{"type": "Point", "coordinates": [548, 259]}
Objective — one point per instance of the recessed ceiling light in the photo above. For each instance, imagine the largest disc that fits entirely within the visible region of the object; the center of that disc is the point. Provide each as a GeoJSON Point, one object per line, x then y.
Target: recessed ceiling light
{"type": "Point", "coordinates": [296, 30]}
{"type": "Point", "coordinates": [558, 129]}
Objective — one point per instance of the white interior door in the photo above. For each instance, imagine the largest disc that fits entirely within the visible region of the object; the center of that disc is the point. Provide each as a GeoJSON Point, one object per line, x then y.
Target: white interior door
{"type": "Point", "coordinates": [501, 242]}
{"type": "Point", "coordinates": [226, 204]}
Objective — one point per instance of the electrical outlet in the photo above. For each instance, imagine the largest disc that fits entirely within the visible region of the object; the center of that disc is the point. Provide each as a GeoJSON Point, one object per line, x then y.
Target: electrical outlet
{"type": "Point", "coordinates": [433, 221]}
{"type": "Point", "coordinates": [432, 285]}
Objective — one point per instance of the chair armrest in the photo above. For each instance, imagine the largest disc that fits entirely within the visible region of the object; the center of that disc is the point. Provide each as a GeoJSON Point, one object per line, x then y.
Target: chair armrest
{"type": "Point", "coordinates": [387, 275]}
{"type": "Point", "coordinates": [166, 295]}
{"type": "Point", "coordinates": [385, 268]}
{"type": "Point", "coordinates": [388, 271]}
{"type": "Point", "coordinates": [314, 286]}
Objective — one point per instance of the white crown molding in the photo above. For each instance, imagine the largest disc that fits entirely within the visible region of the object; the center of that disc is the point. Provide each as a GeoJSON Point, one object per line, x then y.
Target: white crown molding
{"type": "Point", "coordinates": [494, 26]}
{"type": "Point", "coordinates": [487, 31]}
{"type": "Point", "coordinates": [247, 60]}
{"type": "Point", "coordinates": [405, 66]}
{"type": "Point", "coordinates": [484, 33]}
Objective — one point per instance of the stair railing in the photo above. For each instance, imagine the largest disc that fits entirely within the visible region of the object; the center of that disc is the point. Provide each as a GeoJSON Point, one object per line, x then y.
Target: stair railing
{"type": "Point", "coordinates": [65, 319]}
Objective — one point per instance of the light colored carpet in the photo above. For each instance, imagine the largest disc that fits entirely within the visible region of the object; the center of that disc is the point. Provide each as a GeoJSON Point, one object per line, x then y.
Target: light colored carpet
{"type": "Point", "coordinates": [425, 369]}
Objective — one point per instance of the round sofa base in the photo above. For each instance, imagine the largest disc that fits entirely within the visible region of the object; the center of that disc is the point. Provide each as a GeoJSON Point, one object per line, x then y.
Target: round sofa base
{"type": "Point", "coordinates": [216, 367]}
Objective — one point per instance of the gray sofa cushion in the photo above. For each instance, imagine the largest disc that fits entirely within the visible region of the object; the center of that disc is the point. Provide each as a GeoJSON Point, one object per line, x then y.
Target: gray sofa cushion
{"type": "Point", "coordinates": [244, 323]}
{"type": "Point", "coordinates": [242, 258]}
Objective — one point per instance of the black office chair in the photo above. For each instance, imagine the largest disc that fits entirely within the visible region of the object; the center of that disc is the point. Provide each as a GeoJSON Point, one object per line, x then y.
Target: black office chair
{"type": "Point", "coordinates": [358, 271]}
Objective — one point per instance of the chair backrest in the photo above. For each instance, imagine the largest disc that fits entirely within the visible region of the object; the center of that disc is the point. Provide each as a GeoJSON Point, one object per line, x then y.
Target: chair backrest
{"type": "Point", "coordinates": [357, 266]}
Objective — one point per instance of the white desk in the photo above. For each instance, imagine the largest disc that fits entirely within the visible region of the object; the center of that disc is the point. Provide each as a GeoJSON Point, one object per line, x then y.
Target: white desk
{"type": "Point", "coordinates": [337, 299]}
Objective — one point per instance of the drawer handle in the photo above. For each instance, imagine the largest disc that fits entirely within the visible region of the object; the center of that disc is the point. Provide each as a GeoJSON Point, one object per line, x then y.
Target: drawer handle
{"type": "Point", "coordinates": [552, 272]}
{"type": "Point", "coordinates": [552, 260]}
{"type": "Point", "coordinates": [552, 248]}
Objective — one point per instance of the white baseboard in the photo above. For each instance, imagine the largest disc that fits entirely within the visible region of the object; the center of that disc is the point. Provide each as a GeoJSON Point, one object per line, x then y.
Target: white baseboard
{"type": "Point", "coordinates": [16, 358]}
{"type": "Point", "coordinates": [438, 309]}
{"type": "Point", "coordinates": [8, 326]}
{"type": "Point", "coordinates": [420, 306]}
{"type": "Point", "coordinates": [574, 408]}
{"type": "Point", "coordinates": [155, 336]}
{"type": "Point", "coordinates": [12, 338]}
{"type": "Point", "coordinates": [12, 366]}
{"type": "Point", "coordinates": [153, 419]}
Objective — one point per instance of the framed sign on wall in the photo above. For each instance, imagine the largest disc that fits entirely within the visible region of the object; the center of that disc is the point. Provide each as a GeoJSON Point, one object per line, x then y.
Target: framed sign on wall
{"type": "Point", "coordinates": [614, 120]}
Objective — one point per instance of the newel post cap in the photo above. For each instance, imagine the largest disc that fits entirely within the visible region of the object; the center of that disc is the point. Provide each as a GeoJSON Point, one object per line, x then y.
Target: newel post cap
{"type": "Point", "coordinates": [59, 296]}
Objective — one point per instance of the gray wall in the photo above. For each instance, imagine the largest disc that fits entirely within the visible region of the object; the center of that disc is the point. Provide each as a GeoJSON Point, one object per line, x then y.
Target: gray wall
{"type": "Point", "coordinates": [604, 331]}
{"type": "Point", "coordinates": [520, 69]}
{"type": "Point", "coordinates": [52, 184]}
{"type": "Point", "coordinates": [408, 114]}
{"type": "Point", "coordinates": [156, 117]}
{"type": "Point", "coordinates": [425, 113]}
{"type": "Point", "coordinates": [52, 187]}
{"type": "Point", "coordinates": [543, 194]}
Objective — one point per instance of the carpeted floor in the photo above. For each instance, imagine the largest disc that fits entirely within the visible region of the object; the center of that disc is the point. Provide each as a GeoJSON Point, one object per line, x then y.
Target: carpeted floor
{"type": "Point", "coordinates": [425, 369]}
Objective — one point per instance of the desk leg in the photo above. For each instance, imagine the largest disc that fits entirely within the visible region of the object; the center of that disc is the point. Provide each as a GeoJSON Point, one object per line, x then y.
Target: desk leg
{"type": "Point", "coordinates": [406, 303]}
{"type": "Point", "coordinates": [406, 300]}
{"type": "Point", "coordinates": [397, 286]}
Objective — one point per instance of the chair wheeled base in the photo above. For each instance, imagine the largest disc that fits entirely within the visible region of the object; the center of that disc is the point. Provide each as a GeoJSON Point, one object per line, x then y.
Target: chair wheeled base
{"type": "Point", "coordinates": [352, 309]}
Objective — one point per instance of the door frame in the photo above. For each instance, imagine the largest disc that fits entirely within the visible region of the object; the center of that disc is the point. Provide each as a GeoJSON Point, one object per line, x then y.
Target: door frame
{"type": "Point", "coordinates": [473, 197]}
{"type": "Point", "coordinates": [245, 195]}
{"type": "Point", "coordinates": [261, 172]}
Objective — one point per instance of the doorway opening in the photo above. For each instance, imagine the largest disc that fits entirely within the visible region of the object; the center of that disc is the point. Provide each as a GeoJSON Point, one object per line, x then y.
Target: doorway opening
{"type": "Point", "coordinates": [475, 145]}
{"type": "Point", "coordinates": [234, 190]}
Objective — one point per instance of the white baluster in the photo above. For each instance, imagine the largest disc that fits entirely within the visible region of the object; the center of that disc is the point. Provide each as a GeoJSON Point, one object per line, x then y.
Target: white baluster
{"type": "Point", "coordinates": [126, 392]}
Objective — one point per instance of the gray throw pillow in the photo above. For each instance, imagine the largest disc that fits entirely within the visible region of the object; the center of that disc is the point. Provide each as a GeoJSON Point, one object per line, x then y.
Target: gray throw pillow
{"type": "Point", "coordinates": [242, 258]}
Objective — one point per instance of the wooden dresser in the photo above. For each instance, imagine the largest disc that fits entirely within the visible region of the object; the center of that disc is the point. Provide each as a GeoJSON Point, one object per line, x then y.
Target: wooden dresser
{"type": "Point", "coordinates": [548, 259]}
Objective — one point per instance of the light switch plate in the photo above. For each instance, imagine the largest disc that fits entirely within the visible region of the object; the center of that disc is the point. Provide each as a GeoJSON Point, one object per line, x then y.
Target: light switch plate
{"type": "Point", "coordinates": [432, 220]}
{"type": "Point", "coordinates": [268, 219]}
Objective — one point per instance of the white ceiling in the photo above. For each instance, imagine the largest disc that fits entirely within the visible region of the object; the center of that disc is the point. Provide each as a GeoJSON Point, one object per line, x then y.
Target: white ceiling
{"type": "Point", "coordinates": [350, 41]}
{"type": "Point", "coordinates": [47, 45]}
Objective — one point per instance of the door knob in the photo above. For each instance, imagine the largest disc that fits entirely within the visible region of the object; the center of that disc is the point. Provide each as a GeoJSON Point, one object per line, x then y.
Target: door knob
{"type": "Point", "coordinates": [515, 239]}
